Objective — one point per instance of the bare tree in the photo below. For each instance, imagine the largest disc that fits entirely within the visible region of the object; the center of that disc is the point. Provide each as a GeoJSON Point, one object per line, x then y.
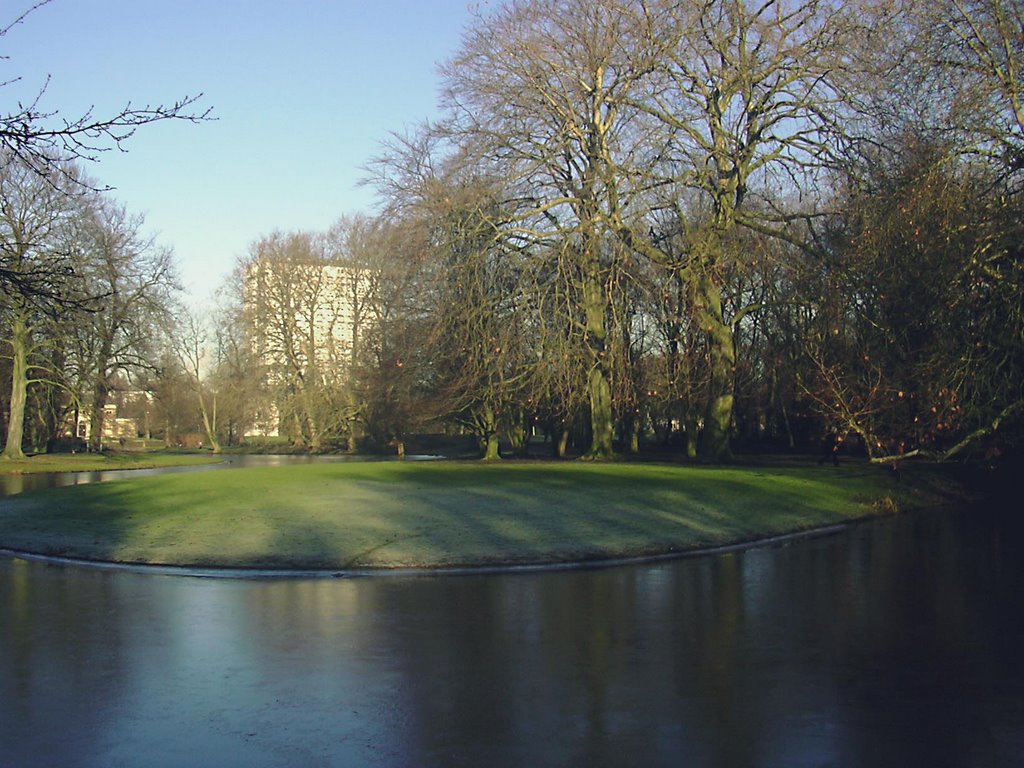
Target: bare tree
{"type": "Point", "coordinates": [190, 344]}
{"type": "Point", "coordinates": [395, 362]}
{"type": "Point", "coordinates": [923, 255]}
{"type": "Point", "coordinates": [971, 53]}
{"type": "Point", "coordinates": [35, 214]}
{"type": "Point", "coordinates": [299, 308]}
{"type": "Point", "coordinates": [356, 243]}
{"type": "Point", "coordinates": [918, 346]}
{"type": "Point", "coordinates": [538, 95]}
{"type": "Point", "coordinates": [747, 96]}
{"type": "Point", "coordinates": [483, 365]}
{"type": "Point", "coordinates": [236, 375]}
{"type": "Point", "coordinates": [137, 279]}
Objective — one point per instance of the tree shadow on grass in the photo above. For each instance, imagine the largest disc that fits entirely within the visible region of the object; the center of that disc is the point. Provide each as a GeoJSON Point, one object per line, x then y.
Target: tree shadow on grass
{"type": "Point", "coordinates": [361, 517]}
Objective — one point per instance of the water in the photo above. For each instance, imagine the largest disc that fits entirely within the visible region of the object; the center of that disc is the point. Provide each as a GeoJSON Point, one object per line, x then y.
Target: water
{"type": "Point", "coordinates": [896, 643]}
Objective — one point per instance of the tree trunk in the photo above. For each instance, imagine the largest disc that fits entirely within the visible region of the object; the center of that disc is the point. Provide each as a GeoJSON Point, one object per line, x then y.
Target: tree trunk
{"type": "Point", "coordinates": [315, 438]}
{"type": "Point", "coordinates": [355, 425]}
{"type": "Point", "coordinates": [96, 414]}
{"type": "Point", "coordinates": [491, 447]}
{"type": "Point", "coordinates": [599, 390]}
{"type": "Point", "coordinates": [19, 388]}
{"type": "Point", "coordinates": [714, 443]}
{"type": "Point", "coordinates": [602, 426]}
{"type": "Point", "coordinates": [692, 433]}
{"type": "Point", "coordinates": [298, 432]}
{"type": "Point", "coordinates": [518, 433]}
{"type": "Point", "coordinates": [309, 427]}
{"type": "Point", "coordinates": [488, 433]}
{"type": "Point", "coordinates": [210, 425]}
{"type": "Point", "coordinates": [315, 443]}
{"type": "Point", "coordinates": [632, 429]}
{"type": "Point", "coordinates": [559, 432]}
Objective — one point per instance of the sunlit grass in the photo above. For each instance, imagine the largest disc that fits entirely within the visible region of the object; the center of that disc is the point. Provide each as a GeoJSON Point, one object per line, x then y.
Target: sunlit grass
{"type": "Point", "coordinates": [380, 515]}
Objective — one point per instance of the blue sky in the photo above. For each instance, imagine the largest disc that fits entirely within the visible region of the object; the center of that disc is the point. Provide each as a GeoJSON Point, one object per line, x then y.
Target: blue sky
{"type": "Point", "coordinates": [303, 93]}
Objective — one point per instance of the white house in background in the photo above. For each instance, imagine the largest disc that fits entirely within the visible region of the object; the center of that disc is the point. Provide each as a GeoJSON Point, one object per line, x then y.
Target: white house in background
{"type": "Point", "coordinates": [114, 426]}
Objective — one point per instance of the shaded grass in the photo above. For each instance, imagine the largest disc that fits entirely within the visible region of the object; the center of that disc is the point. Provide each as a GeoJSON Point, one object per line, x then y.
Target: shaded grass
{"type": "Point", "coordinates": [386, 515]}
{"type": "Point", "coordinates": [99, 462]}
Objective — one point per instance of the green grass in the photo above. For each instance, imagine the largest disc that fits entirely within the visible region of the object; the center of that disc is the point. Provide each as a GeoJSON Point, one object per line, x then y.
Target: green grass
{"type": "Point", "coordinates": [94, 462]}
{"type": "Point", "coordinates": [438, 514]}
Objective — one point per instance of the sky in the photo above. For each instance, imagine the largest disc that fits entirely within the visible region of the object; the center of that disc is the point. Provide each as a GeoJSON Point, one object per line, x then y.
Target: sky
{"type": "Point", "coordinates": [303, 93]}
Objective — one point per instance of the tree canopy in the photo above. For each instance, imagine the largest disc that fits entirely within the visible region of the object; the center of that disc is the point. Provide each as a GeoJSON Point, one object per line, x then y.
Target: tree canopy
{"type": "Point", "coordinates": [717, 225]}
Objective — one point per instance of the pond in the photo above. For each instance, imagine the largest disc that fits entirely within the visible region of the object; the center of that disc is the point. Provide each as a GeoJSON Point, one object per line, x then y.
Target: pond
{"type": "Point", "coordinates": [895, 643]}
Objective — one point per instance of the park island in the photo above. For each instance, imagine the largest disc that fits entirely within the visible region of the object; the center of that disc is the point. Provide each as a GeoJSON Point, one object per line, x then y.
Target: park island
{"type": "Point", "coordinates": [348, 517]}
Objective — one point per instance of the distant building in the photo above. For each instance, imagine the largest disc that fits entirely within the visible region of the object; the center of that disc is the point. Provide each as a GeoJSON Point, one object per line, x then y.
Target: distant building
{"type": "Point", "coordinates": [307, 318]}
{"type": "Point", "coordinates": [114, 426]}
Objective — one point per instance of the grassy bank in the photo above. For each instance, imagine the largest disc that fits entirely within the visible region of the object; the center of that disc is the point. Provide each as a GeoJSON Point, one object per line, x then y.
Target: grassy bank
{"type": "Point", "coordinates": [386, 515]}
{"type": "Point", "coordinates": [98, 462]}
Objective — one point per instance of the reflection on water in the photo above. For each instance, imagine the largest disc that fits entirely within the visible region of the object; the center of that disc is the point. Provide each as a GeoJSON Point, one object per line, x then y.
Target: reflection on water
{"type": "Point", "coordinates": [12, 484]}
{"type": "Point", "coordinates": [897, 643]}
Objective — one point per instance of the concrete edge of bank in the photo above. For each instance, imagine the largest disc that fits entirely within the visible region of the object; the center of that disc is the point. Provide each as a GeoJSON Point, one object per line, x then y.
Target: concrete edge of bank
{"type": "Point", "coordinates": [242, 572]}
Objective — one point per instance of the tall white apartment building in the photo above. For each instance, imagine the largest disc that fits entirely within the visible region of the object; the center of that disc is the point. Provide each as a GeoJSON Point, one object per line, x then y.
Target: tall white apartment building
{"type": "Point", "coordinates": [307, 320]}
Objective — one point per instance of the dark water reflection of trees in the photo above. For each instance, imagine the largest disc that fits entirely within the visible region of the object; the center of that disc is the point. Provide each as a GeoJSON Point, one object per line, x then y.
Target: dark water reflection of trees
{"type": "Point", "coordinates": [894, 644]}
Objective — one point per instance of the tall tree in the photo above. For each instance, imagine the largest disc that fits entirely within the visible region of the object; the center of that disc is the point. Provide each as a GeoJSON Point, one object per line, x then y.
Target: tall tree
{"type": "Point", "coordinates": [481, 349]}
{"type": "Point", "coordinates": [748, 95]}
{"type": "Point", "coordinates": [971, 52]}
{"type": "Point", "coordinates": [394, 365]}
{"type": "Point", "coordinates": [297, 301]}
{"type": "Point", "coordinates": [538, 94]}
{"type": "Point", "coordinates": [357, 244]}
{"type": "Point", "coordinates": [190, 345]}
{"type": "Point", "coordinates": [920, 347]}
{"type": "Point", "coordinates": [236, 376]}
{"type": "Point", "coordinates": [136, 279]}
{"type": "Point", "coordinates": [38, 264]}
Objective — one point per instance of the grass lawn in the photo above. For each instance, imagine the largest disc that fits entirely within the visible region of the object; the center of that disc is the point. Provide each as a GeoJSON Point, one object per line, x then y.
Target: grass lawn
{"type": "Point", "coordinates": [354, 516]}
{"type": "Point", "coordinates": [97, 462]}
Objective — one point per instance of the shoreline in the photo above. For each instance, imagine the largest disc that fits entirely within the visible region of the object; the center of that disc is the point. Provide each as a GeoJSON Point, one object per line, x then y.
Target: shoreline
{"type": "Point", "coordinates": [419, 571]}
